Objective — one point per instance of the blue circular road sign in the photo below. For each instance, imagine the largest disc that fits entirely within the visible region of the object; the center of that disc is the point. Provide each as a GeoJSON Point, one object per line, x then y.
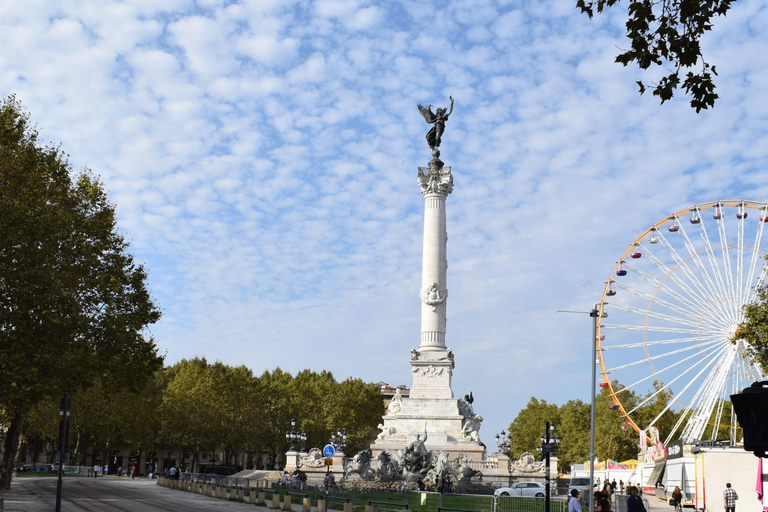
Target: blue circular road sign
{"type": "Point", "coordinates": [329, 451]}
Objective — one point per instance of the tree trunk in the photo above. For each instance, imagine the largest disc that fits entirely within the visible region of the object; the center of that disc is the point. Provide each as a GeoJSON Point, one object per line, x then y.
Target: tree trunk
{"type": "Point", "coordinates": [11, 446]}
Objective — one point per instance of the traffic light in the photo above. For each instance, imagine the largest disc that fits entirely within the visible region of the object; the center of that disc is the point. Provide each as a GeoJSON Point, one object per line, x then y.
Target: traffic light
{"type": "Point", "coordinates": [751, 406]}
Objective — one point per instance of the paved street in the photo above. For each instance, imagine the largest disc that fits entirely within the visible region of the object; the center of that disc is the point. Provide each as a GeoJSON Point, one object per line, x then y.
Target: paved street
{"type": "Point", "coordinates": [38, 494]}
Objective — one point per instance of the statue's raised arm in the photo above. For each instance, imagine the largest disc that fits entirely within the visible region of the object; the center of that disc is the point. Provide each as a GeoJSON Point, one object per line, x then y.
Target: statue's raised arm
{"type": "Point", "coordinates": [438, 119]}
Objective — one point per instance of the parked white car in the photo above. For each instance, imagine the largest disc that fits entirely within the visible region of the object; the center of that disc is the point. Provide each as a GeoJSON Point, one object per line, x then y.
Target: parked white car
{"type": "Point", "coordinates": [525, 489]}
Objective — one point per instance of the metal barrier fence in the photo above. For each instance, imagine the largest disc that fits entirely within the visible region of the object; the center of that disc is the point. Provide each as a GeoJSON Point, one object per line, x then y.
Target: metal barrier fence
{"type": "Point", "coordinates": [619, 503]}
{"type": "Point", "coordinates": [382, 499]}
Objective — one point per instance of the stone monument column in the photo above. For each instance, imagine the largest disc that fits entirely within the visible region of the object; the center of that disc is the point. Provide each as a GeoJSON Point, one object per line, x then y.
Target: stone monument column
{"type": "Point", "coordinates": [432, 363]}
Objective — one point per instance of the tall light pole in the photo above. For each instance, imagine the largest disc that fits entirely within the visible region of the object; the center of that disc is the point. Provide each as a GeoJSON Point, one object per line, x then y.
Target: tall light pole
{"type": "Point", "coordinates": [595, 313]}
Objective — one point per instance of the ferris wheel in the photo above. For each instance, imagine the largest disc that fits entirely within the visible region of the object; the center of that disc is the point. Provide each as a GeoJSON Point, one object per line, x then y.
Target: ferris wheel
{"type": "Point", "coordinates": [670, 309]}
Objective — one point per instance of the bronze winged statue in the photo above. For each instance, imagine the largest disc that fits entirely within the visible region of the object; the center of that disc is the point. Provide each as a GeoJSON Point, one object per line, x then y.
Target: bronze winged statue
{"type": "Point", "coordinates": [437, 119]}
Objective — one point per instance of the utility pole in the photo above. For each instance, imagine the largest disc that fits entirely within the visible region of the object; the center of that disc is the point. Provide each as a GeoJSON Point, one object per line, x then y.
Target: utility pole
{"type": "Point", "coordinates": [63, 454]}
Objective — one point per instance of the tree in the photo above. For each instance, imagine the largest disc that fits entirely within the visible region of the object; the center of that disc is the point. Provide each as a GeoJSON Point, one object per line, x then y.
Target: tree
{"type": "Point", "coordinates": [74, 305]}
{"type": "Point", "coordinates": [528, 426]}
{"type": "Point", "coordinates": [668, 32]}
{"type": "Point", "coordinates": [573, 430]}
{"type": "Point", "coordinates": [754, 329]}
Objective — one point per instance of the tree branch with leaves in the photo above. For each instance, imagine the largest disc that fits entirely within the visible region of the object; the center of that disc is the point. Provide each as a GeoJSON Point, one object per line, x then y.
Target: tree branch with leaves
{"type": "Point", "coordinates": [669, 32]}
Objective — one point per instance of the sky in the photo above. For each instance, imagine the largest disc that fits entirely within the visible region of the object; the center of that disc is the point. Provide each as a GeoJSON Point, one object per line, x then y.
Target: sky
{"type": "Point", "coordinates": [262, 156]}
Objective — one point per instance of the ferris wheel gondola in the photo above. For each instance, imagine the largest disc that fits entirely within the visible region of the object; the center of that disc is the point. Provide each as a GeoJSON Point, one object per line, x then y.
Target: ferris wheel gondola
{"type": "Point", "coordinates": [675, 299]}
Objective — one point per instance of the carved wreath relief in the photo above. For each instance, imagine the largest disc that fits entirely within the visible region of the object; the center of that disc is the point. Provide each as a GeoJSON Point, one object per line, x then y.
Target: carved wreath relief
{"type": "Point", "coordinates": [433, 296]}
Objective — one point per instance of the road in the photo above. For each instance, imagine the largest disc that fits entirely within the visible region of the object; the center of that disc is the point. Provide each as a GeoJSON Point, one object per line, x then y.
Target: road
{"type": "Point", "coordinates": [38, 494]}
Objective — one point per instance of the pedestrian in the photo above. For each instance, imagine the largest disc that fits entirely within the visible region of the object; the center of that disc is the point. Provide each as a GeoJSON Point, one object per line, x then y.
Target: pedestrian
{"type": "Point", "coordinates": [729, 498]}
{"type": "Point", "coordinates": [621, 486]}
{"type": "Point", "coordinates": [421, 485]}
{"type": "Point", "coordinates": [574, 505]}
{"type": "Point", "coordinates": [448, 483]}
{"type": "Point", "coordinates": [677, 498]}
{"type": "Point", "coordinates": [151, 471]}
{"type": "Point", "coordinates": [284, 480]}
{"type": "Point", "coordinates": [133, 471]}
{"type": "Point", "coordinates": [602, 503]}
{"type": "Point", "coordinates": [634, 501]}
{"type": "Point", "coordinates": [302, 480]}
{"type": "Point", "coordinates": [613, 486]}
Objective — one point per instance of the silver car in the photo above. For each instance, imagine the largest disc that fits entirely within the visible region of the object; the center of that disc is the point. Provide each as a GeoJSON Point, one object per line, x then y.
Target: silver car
{"type": "Point", "coordinates": [525, 489]}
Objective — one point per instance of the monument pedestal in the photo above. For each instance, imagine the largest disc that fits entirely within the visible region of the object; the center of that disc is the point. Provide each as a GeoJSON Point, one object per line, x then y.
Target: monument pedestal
{"type": "Point", "coordinates": [442, 421]}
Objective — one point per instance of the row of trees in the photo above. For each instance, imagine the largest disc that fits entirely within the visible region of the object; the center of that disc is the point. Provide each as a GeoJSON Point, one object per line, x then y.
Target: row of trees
{"type": "Point", "coordinates": [199, 407]}
{"type": "Point", "coordinates": [572, 421]}
{"type": "Point", "coordinates": [74, 305]}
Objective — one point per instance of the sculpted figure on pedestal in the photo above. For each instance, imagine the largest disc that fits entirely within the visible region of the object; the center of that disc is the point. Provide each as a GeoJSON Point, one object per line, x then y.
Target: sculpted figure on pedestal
{"type": "Point", "coordinates": [396, 404]}
{"type": "Point", "coordinates": [438, 119]}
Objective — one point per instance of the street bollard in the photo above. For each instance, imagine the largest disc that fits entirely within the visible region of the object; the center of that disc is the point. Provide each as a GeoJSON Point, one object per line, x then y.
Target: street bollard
{"type": "Point", "coordinates": [287, 503]}
{"type": "Point", "coordinates": [321, 506]}
{"type": "Point", "coordinates": [305, 505]}
{"type": "Point", "coordinates": [347, 507]}
{"type": "Point", "coordinates": [369, 508]}
{"type": "Point", "coordinates": [275, 501]}
{"type": "Point", "coordinates": [241, 494]}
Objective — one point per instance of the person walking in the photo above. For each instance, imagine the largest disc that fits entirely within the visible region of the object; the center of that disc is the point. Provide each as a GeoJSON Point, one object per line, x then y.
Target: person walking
{"type": "Point", "coordinates": [601, 502]}
{"type": "Point", "coordinates": [634, 501]}
{"type": "Point", "coordinates": [574, 505]}
{"type": "Point", "coordinates": [729, 498]}
{"type": "Point", "coordinates": [677, 498]}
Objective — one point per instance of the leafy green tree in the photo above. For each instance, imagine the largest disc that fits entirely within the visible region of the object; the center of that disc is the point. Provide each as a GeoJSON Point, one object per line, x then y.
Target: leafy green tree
{"type": "Point", "coordinates": [74, 305]}
{"type": "Point", "coordinates": [573, 430]}
{"type": "Point", "coordinates": [611, 440]}
{"type": "Point", "coordinates": [668, 33]}
{"type": "Point", "coordinates": [527, 428]}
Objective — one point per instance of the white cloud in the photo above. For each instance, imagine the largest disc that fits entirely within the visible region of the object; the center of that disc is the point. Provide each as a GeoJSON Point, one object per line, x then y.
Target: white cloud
{"type": "Point", "coordinates": [263, 156]}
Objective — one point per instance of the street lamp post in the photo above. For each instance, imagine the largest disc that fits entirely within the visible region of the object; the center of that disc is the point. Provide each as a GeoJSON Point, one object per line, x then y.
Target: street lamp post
{"type": "Point", "coordinates": [549, 444]}
{"type": "Point", "coordinates": [595, 313]}
{"type": "Point", "coordinates": [503, 441]}
{"type": "Point", "coordinates": [293, 436]}
{"type": "Point", "coordinates": [339, 439]}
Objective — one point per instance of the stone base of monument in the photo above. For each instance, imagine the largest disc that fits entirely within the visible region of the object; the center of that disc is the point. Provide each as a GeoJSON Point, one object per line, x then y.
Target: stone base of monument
{"type": "Point", "coordinates": [447, 423]}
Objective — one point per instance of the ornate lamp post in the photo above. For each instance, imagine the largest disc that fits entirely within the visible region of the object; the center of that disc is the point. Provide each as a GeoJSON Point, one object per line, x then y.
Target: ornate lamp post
{"type": "Point", "coordinates": [339, 439]}
{"type": "Point", "coordinates": [548, 446]}
{"type": "Point", "coordinates": [293, 436]}
{"type": "Point", "coordinates": [503, 441]}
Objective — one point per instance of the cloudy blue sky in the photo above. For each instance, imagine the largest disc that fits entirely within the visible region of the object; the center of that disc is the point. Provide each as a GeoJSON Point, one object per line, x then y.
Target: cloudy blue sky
{"type": "Point", "coordinates": [263, 155]}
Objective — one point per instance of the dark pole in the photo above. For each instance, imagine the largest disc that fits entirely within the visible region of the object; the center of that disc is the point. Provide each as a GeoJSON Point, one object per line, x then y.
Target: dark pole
{"type": "Point", "coordinates": [594, 314]}
{"type": "Point", "coordinates": [547, 448]}
{"type": "Point", "coordinates": [63, 444]}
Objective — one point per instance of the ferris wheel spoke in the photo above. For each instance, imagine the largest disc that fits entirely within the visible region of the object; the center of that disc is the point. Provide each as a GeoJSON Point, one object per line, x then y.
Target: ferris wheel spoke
{"type": "Point", "coordinates": [650, 329]}
{"type": "Point", "coordinates": [650, 297]}
{"type": "Point", "coordinates": [726, 256]}
{"type": "Point", "coordinates": [665, 354]}
{"type": "Point", "coordinates": [669, 341]}
{"type": "Point", "coordinates": [691, 321]}
{"type": "Point", "coordinates": [713, 261]}
{"type": "Point", "coordinates": [700, 302]}
{"type": "Point", "coordinates": [706, 398]}
{"type": "Point", "coordinates": [664, 287]}
{"type": "Point", "coordinates": [712, 285]}
{"type": "Point", "coordinates": [701, 291]}
{"type": "Point", "coordinates": [682, 392]}
{"type": "Point", "coordinates": [655, 375]}
{"type": "Point", "coordinates": [666, 386]}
